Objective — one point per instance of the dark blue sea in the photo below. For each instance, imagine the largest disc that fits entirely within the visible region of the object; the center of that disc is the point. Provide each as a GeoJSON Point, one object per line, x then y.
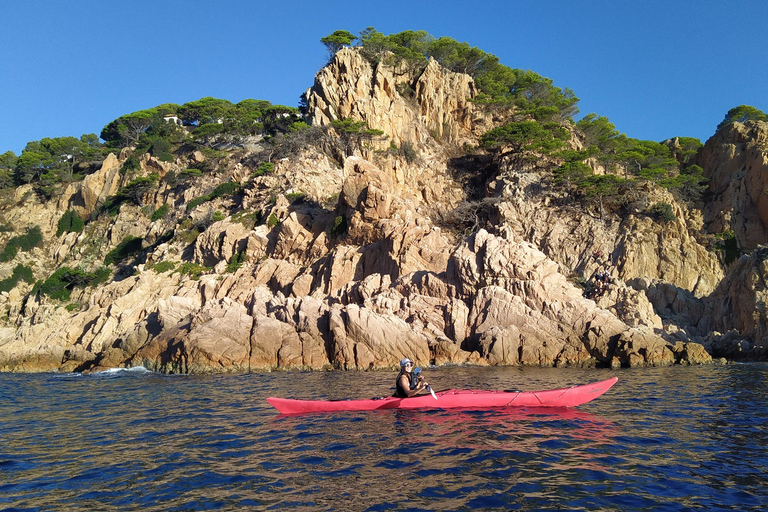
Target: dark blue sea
{"type": "Point", "coordinates": [682, 438]}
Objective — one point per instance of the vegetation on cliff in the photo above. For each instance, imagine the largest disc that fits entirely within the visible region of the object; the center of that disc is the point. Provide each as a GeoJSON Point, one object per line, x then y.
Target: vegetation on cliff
{"type": "Point", "coordinates": [500, 86]}
{"type": "Point", "coordinates": [539, 114]}
{"type": "Point", "coordinates": [212, 186]}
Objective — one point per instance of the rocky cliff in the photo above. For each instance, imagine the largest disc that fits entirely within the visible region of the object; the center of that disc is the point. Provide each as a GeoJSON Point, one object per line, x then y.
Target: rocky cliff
{"type": "Point", "coordinates": [354, 261]}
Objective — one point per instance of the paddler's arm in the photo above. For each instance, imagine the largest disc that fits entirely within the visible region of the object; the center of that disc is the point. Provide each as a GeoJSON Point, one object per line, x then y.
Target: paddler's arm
{"type": "Point", "coordinates": [405, 384]}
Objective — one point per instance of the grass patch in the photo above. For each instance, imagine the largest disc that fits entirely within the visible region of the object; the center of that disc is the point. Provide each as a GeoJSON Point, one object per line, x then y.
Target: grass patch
{"type": "Point", "coordinates": [248, 219]}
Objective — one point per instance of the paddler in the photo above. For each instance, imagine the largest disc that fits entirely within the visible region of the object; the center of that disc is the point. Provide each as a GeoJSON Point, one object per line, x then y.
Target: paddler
{"type": "Point", "coordinates": [407, 384]}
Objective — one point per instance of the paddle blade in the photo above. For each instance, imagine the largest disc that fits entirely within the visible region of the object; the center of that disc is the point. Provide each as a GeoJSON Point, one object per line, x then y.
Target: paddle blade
{"type": "Point", "coordinates": [433, 393]}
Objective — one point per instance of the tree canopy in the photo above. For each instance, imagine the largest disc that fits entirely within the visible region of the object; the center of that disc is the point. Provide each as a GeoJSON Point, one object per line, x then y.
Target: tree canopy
{"type": "Point", "coordinates": [527, 136]}
{"type": "Point", "coordinates": [337, 41]}
{"type": "Point", "coordinates": [207, 117]}
{"type": "Point", "coordinates": [741, 114]}
{"type": "Point", "coordinates": [53, 159]}
{"type": "Point", "coordinates": [126, 130]}
{"type": "Point", "coordinates": [354, 134]}
{"type": "Point", "coordinates": [499, 85]}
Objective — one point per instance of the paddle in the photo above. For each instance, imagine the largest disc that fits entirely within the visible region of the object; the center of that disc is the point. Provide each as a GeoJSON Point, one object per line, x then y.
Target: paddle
{"type": "Point", "coordinates": [416, 372]}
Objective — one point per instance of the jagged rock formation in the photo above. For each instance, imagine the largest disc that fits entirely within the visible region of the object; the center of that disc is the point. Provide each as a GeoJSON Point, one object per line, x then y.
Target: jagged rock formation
{"type": "Point", "coordinates": [361, 270]}
{"type": "Point", "coordinates": [736, 162]}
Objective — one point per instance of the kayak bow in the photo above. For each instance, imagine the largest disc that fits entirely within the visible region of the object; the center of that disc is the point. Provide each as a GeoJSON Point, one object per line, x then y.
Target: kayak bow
{"type": "Point", "coordinates": [455, 398]}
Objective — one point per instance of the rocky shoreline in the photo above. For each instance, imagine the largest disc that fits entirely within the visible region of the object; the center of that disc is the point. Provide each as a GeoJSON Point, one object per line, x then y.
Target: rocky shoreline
{"type": "Point", "coordinates": [400, 280]}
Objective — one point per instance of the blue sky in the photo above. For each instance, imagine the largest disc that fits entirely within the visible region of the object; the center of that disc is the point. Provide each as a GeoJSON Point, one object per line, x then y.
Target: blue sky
{"type": "Point", "coordinates": [656, 69]}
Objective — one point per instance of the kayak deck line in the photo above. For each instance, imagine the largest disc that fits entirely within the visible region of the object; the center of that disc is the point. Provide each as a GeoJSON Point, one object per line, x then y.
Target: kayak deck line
{"type": "Point", "coordinates": [455, 398]}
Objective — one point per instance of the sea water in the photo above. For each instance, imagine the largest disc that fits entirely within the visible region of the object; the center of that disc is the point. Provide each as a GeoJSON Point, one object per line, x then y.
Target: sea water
{"type": "Point", "coordinates": [681, 438]}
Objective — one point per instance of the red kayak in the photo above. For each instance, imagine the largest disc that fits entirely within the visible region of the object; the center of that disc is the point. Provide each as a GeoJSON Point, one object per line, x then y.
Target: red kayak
{"type": "Point", "coordinates": [454, 398]}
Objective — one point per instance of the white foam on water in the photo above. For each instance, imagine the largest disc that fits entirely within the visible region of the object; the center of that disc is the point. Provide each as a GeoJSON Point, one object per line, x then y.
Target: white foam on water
{"type": "Point", "coordinates": [121, 371]}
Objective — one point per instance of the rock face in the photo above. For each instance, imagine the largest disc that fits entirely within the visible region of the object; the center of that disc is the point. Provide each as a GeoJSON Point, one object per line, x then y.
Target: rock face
{"type": "Point", "coordinates": [633, 247]}
{"type": "Point", "coordinates": [736, 162]}
{"type": "Point", "coordinates": [349, 87]}
{"type": "Point", "coordinates": [349, 263]}
{"type": "Point", "coordinates": [740, 306]}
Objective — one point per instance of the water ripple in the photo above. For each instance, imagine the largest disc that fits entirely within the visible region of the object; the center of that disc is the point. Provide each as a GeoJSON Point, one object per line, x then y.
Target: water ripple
{"type": "Point", "coordinates": [666, 439]}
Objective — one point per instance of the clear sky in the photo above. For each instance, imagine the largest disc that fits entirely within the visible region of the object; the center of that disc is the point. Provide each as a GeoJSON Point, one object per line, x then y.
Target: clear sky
{"type": "Point", "coordinates": [656, 68]}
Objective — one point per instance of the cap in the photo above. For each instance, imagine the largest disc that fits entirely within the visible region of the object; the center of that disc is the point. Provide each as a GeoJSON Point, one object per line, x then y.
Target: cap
{"type": "Point", "coordinates": [404, 362]}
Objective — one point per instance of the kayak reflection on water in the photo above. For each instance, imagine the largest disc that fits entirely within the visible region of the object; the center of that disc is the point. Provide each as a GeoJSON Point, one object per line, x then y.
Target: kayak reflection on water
{"type": "Point", "coordinates": [410, 382]}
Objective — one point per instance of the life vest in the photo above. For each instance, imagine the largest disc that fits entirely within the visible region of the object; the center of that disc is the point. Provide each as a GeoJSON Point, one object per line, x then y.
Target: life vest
{"type": "Point", "coordinates": [399, 391]}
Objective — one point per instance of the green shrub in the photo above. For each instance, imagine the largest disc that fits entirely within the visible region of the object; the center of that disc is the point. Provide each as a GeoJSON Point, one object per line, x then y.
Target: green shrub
{"type": "Point", "coordinates": [100, 276]}
{"type": "Point", "coordinates": [133, 191]}
{"type": "Point", "coordinates": [189, 173]}
{"type": "Point", "coordinates": [128, 247]}
{"type": "Point", "coordinates": [408, 152]}
{"type": "Point", "coordinates": [236, 261]}
{"type": "Point", "coordinates": [160, 212]}
{"type": "Point", "coordinates": [70, 222]}
{"type": "Point", "coordinates": [20, 273]}
{"type": "Point", "coordinates": [163, 266]}
{"type": "Point", "coordinates": [60, 284]}
{"type": "Point", "coordinates": [662, 212]}
{"type": "Point", "coordinates": [247, 219]}
{"type": "Point", "coordinates": [295, 197]}
{"type": "Point", "coordinates": [194, 270]}
{"type": "Point", "coordinates": [24, 242]}
{"type": "Point", "coordinates": [170, 177]}
{"type": "Point", "coordinates": [741, 114]}
{"type": "Point", "coordinates": [225, 189]}
{"type": "Point", "coordinates": [339, 226]}
{"type": "Point", "coordinates": [130, 164]}
{"type": "Point", "coordinates": [527, 136]}
{"type": "Point", "coordinates": [194, 203]}
{"type": "Point", "coordinates": [218, 216]}
{"type": "Point", "coordinates": [272, 221]}
{"type": "Point", "coordinates": [161, 149]}
{"type": "Point", "coordinates": [727, 244]}
{"type": "Point", "coordinates": [263, 168]}
{"type": "Point", "coordinates": [208, 129]}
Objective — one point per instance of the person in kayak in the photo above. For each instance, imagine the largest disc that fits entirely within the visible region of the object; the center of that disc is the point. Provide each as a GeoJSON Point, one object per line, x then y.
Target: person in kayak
{"type": "Point", "coordinates": [408, 385]}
